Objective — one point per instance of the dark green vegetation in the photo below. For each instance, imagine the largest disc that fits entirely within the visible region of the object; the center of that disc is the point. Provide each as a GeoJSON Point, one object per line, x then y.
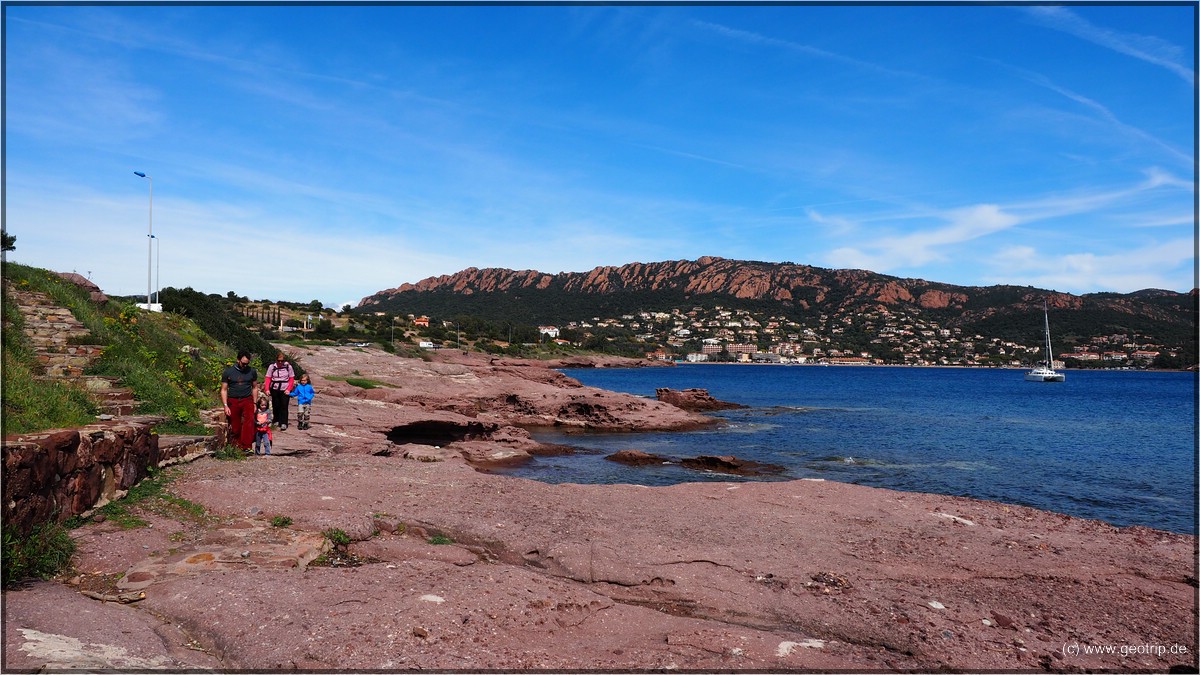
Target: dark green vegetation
{"type": "Point", "coordinates": [229, 453]}
{"type": "Point", "coordinates": [221, 318]}
{"type": "Point", "coordinates": [43, 554]}
{"type": "Point", "coordinates": [337, 537]}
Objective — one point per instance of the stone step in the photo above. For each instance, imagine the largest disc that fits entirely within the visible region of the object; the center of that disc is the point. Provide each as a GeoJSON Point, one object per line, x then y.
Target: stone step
{"type": "Point", "coordinates": [115, 395]}
{"type": "Point", "coordinates": [40, 342]}
{"type": "Point", "coordinates": [50, 320]}
{"type": "Point", "coordinates": [121, 408]}
{"type": "Point", "coordinates": [61, 332]}
{"type": "Point", "coordinates": [33, 300]}
{"type": "Point", "coordinates": [72, 372]}
{"type": "Point", "coordinates": [90, 351]}
{"type": "Point", "coordinates": [51, 360]}
{"type": "Point", "coordinates": [177, 449]}
{"type": "Point", "coordinates": [56, 335]}
{"type": "Point", "coordinates": [98, 383]}
{"type": "Point", "coordinates": [63, 329]}
{"type": "Point", "coordinates": [49, 316]}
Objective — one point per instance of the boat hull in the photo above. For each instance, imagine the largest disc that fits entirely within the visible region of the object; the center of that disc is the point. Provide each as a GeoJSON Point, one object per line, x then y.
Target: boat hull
{"type": "Point", "coordinates": [1044, 375]}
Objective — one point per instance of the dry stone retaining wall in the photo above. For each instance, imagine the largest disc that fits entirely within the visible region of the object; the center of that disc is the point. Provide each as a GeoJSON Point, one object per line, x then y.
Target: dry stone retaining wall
{"type": "Point", "coordinates": [53, 475]}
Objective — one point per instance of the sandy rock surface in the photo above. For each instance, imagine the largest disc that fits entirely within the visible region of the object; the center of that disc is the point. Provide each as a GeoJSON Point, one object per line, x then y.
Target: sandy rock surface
{"type": "Point", "coordinates": [449, 567]}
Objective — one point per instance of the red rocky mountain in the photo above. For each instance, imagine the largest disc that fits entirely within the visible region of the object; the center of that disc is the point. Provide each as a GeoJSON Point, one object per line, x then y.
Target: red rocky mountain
{"type": "Point", "coordinates": [794, 286]}
{"type": "Point", "coordinates": [705, 276]}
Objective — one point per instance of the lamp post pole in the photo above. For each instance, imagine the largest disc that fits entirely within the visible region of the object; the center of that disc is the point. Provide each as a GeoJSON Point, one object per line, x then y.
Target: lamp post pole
{"type": "Point", "coordinates": [149, 238]}
{"type": "Point", "coordinates": [157, 269]}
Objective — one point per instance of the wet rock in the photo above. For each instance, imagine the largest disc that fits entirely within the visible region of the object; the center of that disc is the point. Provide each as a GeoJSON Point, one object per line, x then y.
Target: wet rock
{"type": "Point", "coordinates": [636, 458]}
{"type": "Point", "coordinates": [694, 400]}
{"type": "Point", "coordinates": [732, 465]}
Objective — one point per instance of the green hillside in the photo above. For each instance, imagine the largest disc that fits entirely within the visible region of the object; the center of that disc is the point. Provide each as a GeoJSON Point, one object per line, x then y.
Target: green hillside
{"type": "Point", "coordinates": [146, 350]}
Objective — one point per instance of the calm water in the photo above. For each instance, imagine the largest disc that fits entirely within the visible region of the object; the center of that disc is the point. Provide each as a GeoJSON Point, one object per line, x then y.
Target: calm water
{"type": "Point", "coordinates": [1115, 446]}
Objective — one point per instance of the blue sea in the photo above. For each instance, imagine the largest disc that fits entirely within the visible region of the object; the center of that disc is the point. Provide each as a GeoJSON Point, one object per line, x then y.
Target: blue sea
{"type": "Point", "coordinates": [1118, 446]}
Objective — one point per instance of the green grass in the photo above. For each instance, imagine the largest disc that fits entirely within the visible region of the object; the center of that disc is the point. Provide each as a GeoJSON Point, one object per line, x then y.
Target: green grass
{"type": "Point", "coordinates": [43, 554]}
{"type": "Point", "coordinates": [230, 453]}
{"type": "Point", "coordinates": [440, 540]}
{"type": "Point", "coordinates": [337, 536]}
{"type": "Point", "coordinates": [30, 402]}
{"type": "Point", "coordinates": [143, 349]}
{"type": "Point", "coordinates": [280, 521]}
{"type": "Point", "coordinates": [151, 495]}
{"type": "Point", "coordinates": [361, 382]}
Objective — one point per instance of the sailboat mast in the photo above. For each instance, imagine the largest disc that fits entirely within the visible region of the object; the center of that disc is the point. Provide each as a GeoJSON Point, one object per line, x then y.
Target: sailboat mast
{"type": "Point", "coordinates": [1049, 352]}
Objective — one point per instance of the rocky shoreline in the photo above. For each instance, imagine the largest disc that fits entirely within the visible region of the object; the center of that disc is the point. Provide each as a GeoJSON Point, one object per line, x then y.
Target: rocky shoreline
{"type": "Point", "coordinates": [445, 566]}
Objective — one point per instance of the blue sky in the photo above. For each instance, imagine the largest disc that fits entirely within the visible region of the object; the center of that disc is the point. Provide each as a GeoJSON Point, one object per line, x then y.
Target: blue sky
{"type": "Point", "coordinates": [303, 153]}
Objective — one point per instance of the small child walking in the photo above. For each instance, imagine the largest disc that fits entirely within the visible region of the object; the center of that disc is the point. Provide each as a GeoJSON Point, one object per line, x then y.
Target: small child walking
{"type": "Point", "coordinates": [262, 427]}
{"type": "Point", "coordinates": [304, 395]}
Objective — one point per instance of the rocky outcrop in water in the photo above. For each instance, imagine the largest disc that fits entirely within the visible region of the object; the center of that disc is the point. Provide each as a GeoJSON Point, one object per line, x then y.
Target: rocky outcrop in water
{"type": "Point", "coordinates": [695, 400]}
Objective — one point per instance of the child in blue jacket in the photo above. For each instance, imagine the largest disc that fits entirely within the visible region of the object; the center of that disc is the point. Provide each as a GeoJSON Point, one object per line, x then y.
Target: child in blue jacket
{"type": "Point", "coordinates": [303, 392]}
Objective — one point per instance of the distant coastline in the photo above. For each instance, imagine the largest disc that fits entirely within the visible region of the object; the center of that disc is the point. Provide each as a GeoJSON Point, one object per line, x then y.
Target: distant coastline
{"type": "Point", "coordinates": [948, 366]}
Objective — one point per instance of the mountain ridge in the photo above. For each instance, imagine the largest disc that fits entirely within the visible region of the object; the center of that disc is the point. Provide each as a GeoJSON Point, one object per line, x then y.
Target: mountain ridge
{"type": "Point", "coordinates": [803, 286]}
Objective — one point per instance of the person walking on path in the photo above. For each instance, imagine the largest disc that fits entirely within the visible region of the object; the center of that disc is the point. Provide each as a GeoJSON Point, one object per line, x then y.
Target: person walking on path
{"type": "Point", "coordinates": [280, 378]}
{"type": "Point", "coordinates": [238, 385]}
{"type": "Point", "coordinates": [303, 393]}
{"type": "Point", "coordinates": [262, 428]}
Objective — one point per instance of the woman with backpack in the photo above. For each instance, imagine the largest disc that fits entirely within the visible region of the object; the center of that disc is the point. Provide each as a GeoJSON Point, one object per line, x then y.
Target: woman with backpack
{"type": "Point", "coordinates": [280, 378]}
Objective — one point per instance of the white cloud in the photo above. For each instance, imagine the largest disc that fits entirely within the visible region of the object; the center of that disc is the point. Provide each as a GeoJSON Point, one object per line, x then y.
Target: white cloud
{"type": "Point", "coordinates": [888, 253]}
{"type": "Point", "coordinates": [1111, 119]}
{"type": "Point", "coordinates": [750, 37]}
{"type": "Point", "coordinates": [1147, 48]}
{"type": "Point", "coordinates": [1157, 265]}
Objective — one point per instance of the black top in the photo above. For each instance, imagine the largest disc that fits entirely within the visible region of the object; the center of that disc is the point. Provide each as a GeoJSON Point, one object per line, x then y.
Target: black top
{"type": "Point", "coordinates": [241, 382]}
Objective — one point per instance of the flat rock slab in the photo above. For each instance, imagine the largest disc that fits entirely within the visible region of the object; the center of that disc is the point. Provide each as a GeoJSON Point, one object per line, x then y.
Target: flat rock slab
{"type": "Point", "coordinates": [244, 543]}
{"type": "Point", "coordinates": [464, 570]}
{"type": "Point", "coordinates": [51, 626]}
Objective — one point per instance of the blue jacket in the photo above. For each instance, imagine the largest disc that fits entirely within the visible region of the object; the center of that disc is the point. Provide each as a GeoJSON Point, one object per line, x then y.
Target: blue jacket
{"type": "Point", "coordinates": [303, 392]}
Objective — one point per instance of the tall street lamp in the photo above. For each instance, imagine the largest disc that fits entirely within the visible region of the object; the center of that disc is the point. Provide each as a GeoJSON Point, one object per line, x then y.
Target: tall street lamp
{"type": "Point", "coordinates": [149, 238]}
{"type": "Point", "coordinates": [157, 267]}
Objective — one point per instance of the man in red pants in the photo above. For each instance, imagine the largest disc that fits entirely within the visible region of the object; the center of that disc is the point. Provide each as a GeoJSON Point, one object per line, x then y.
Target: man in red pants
{"type": "Point", "coordinates": [238, 384]}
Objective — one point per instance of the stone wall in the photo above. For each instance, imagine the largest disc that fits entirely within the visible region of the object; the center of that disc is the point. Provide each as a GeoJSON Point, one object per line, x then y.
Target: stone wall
{"type": "Point", "coordinates": [55, 474]}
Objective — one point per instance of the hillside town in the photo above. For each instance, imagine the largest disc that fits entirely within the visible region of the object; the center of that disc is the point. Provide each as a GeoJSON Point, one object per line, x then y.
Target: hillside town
{"type": "Point", "coordinates": [728, 335]}
{"type": "Point", "coordinates": [878, 337]}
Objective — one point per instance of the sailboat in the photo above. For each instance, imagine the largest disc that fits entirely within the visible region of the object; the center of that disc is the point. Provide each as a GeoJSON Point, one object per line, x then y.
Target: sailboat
{"type": "Point", "coordinates": [1045, 372]}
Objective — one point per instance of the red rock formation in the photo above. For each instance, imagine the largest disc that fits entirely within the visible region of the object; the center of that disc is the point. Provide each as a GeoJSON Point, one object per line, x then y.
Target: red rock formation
{"type": "Point", "coordinates": [730, 576]}
{"type": "Point", "coordinates": [694, 400]}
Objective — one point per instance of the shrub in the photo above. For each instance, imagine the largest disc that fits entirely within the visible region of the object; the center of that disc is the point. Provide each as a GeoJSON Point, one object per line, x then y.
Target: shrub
{"type": "Point", "coordinates": [337, 537]}
{"type": "Point", "coordinates": [280, 521]}
{"type": "Point", "coordinates": [230, 453]}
